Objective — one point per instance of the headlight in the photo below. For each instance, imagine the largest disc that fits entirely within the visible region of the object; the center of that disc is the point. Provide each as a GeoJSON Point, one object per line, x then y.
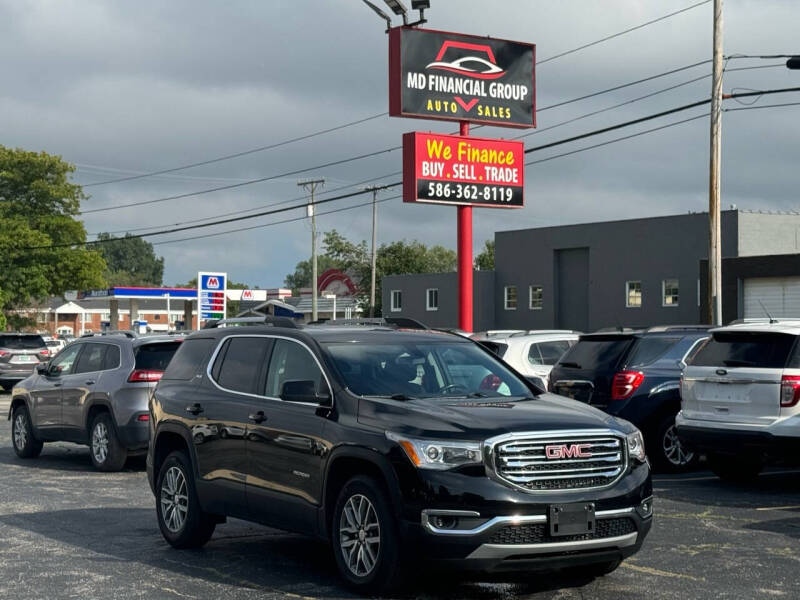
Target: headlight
{"type": "Point", "coordinates": [636, 446]}
{"type": "Point", "coordinates": [438, 454]}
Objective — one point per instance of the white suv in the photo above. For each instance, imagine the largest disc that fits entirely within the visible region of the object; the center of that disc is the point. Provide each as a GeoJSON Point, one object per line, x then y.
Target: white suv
{"type": "Point", "coordinates": [532, 353]}
{"type": "Point", "coordinates": [741, 398]}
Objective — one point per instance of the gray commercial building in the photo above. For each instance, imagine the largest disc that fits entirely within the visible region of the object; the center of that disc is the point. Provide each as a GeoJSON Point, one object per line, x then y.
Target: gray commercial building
{"type": "Point", "coordinates": [632, 273]}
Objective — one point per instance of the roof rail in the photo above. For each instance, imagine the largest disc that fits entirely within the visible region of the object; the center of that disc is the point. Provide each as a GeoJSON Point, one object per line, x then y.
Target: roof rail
{"type": "Point", "coordinates": [765, 320]}
{"type": "Point", "coordinates": [545, 332]}
{"type": "Point", "coordinates": [126, 332]}
{"type": "Point", "coordinates": [268, 320]}
{"type": "Point", "coordinates": [395, 322]}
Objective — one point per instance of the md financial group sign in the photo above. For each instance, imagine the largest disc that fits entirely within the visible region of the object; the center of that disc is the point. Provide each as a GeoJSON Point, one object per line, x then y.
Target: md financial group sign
{"type": "Point", "coordinates": [455, 77]}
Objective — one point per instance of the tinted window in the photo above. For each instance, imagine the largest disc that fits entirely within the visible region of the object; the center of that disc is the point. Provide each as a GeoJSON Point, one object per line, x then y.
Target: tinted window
{"type": "Point", "coordinates": [755, 350]}
{"type": "Point", "coordinates": [22, 342]}
{"type": "Point", "coordinates": [155, 357]}
{"type": "Point", "coordinates": [91, 359]}
{"type": "Point", "coordinates": [648, 350]}
{"type": "Point", "coordinates": [596, 353]}
{"type": "Point", "coordinates": [112, 360]}
{"type": "Point", "coordinates": [547, 353]}
{"type": "Point", "coordinates": [239, 363]}
{"type": "Point", "coordinates": [292, 362]}
{"type": "Point", "coordinates": [65, 360]}
{"type": "Point", "coordinates": [495, 347]}
{"type": "Point", "coordinates": [190, 359]}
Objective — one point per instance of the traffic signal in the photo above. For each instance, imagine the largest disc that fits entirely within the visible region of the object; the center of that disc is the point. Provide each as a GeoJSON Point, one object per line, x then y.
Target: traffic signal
{"type": "Point", "coordinates": [793, 63]}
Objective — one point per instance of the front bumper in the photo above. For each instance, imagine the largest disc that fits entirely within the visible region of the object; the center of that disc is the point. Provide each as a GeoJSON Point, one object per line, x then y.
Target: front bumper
{"type": "Point", "coordinates": [503, 530]}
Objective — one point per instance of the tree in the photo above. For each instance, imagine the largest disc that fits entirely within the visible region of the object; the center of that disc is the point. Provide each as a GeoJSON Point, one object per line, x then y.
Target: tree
{"type": "Point", "coordinates": [130, 261]}
{"type": "Point", "coordinates": [42, 251]}
{"type": "Point", "coordinates": [485, 259]}
{"type": "Point", "coordinates": [395, 258]}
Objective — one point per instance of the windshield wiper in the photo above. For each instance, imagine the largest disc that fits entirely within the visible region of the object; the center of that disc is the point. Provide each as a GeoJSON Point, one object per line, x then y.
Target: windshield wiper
{"type": "Point", "coordinates": [570, 365]}
{"type": "Point", "coordinates": [400, 397]}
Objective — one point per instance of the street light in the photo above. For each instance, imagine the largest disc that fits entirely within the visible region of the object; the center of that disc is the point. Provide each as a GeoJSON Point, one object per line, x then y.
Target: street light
{"type": "Point", "coordinates": [400, 9]}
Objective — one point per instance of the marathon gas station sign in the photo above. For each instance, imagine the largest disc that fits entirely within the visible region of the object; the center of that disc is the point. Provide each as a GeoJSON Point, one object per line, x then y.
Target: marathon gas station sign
{"type": "Point", "coordinates": [448, 169]}
{"type": "Point", "coordinates": [211, 298]}
{"type": "Point", "coordinates": [439, 75]}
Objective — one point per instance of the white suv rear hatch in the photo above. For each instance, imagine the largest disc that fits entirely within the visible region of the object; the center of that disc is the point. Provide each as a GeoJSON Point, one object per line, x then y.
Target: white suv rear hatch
{"type": "Point", "coordinates": [736, 377]}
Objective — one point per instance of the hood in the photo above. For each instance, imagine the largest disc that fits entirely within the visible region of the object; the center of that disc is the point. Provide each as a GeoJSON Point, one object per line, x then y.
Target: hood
{"type": "Point", "coordinates": [479, 419]}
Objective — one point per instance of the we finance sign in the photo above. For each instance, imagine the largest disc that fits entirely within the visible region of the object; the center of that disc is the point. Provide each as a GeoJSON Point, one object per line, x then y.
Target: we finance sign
{"type": "Point", "coordinates": [448, 169]}
{"type": "Point", "coordinates": [440, 75]}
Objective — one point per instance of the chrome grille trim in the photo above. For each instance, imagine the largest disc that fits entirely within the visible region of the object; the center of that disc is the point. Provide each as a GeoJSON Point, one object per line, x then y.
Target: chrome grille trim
{"type": "Point", "coordinates": [518, 460]}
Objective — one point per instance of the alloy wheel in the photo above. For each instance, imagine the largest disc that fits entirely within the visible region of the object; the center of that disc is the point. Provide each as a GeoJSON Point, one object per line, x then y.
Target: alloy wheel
{"type": "Point", "coordinates": [174, 499]}
{"type": "Point", "coordinates": [100, 443]}
{"type": "Point", "coordinates": [20, 431]}
{"type": "Point", "coordinates": [674, 451]}
{"type": "Point", "coordinates": [360, 535]}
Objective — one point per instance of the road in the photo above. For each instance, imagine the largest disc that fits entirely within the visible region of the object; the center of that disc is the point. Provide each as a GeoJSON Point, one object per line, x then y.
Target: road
{"type": "Point", "coordinates": [67, 531]}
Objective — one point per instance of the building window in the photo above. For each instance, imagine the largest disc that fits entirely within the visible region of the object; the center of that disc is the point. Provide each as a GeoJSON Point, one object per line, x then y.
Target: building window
{"type": "Point", "coordinates": [432, 299]}
{"type": "Point", "coordinates": [510, 294]}
{"type": "Point", "coordinates": [156, 317]}
{"type": "Point", "coordinates": [397, 300]}
{"type": "Point", "coordinates": [633, 294]}
{"type": "Point", "coordinates": [535, 301]}
{"type": "Point", "coordinates": [105, 317]}
{"type": "Point", "coordinates": [670, 289]}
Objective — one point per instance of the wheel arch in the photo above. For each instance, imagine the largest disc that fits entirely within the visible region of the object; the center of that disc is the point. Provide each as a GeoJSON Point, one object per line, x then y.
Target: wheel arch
{"type": "Point", "coordinates": [342, 465]}
{"type": "Point", "coordinates": [18, 401]}
{"type": "Point", "coordinates": [168, 438]}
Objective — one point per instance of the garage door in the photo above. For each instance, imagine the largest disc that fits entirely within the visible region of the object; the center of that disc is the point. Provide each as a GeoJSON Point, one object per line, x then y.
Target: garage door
{"type": "Point", "coordinates": [779, 295]}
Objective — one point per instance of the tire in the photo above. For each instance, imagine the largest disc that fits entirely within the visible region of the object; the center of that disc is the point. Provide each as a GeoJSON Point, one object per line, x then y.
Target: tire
{"type": "Point", "coordinates": [180, 518]}
{"type": "Point", "coordinates": [369, 566]}
{"type": "Point", "coordinates": [667, 452]}
{"type": "Point", "coordinates": [105, 449]}
{"type": "Point", "coordinates": [22, 438]}
{"type": "Point", "coordinates": [735, 469]}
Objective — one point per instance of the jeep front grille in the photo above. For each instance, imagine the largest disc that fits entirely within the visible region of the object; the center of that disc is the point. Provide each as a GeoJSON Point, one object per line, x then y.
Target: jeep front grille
{"type": "Point", "coordinates": [568, 462]}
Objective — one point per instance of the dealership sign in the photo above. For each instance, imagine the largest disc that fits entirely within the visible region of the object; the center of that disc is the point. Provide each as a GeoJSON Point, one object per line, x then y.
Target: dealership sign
{"type": "Point", "coordinates": [211, 299]}
{"type": "Point", "coordinates": [439, 75]}
{"type": "Point", "coordinates": [448, 169]}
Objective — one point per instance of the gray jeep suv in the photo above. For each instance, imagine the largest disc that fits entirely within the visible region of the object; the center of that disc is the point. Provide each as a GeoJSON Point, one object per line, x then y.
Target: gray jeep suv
{"type": "Point", "coordinates": [19, 355]}
{"type": "Point", "coordinates": [94, 392]}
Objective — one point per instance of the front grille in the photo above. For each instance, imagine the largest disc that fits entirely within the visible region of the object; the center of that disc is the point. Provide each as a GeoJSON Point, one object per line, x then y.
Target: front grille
{"type": "Point", "coordinates": [539, 464]}
{"type": "Point", "coordinates": [540, 533]}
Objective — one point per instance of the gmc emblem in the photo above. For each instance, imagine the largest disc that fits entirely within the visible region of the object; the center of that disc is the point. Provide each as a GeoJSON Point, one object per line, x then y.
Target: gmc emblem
{"type": "Point", "coordinates": [567, 451]}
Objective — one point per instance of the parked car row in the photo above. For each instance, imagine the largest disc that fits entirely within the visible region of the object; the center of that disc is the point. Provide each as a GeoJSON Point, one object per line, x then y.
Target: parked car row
{"type": "Point", "coordinates": [393, 444]}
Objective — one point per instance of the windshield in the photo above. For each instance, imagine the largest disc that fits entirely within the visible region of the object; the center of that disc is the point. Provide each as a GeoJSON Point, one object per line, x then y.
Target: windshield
{"type": "Point", "coordinates": [423, 370]}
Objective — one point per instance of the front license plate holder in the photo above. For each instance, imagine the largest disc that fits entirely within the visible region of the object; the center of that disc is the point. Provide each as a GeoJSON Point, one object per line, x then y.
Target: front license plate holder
{"type": "Point", "coordinates": [571, 519]}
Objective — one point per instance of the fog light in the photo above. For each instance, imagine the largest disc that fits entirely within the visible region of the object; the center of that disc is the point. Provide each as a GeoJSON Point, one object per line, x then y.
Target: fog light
{"type": "Point", "coordinates": [645, 509]}
{"type": "Point", "coordinates": [444, 522]}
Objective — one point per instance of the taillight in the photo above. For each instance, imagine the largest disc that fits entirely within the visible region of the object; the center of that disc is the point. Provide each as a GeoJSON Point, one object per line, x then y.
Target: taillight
{"type": "Point", "coordinates": [45, 352]}
{"type": "Point", "coordinates": [625, 383]}
{"type": "Point", "coordinates": [145, 375]}
{"type": "Point", "coordinates": [790, 390]}
{"type": "Point", "coordinates": [4, 353]}
{"type": "Point", "coordinates": [143, 418]}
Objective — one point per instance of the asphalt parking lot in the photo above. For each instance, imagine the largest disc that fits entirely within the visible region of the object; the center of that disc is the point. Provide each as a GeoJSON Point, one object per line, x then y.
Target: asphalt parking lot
{"type": "Point", "coordinates": [67, 531]}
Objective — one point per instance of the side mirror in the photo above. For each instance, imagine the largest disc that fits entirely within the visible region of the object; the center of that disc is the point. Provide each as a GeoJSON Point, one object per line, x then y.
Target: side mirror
{"type": "Point", "coordinates": [41, 368]}
{"type": "Point", "coordinates": [304, 391]}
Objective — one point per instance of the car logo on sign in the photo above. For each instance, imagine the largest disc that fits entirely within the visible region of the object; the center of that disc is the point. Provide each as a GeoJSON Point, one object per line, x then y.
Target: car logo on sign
{"type": "Point", "coordinates": [212, 283]}
{"type": "Point", "coordinates": [557, 451]}
{"type": "Point", "coordinates": [470, 65]}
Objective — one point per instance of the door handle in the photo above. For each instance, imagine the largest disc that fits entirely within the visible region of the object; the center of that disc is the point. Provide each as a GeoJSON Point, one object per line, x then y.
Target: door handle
{"type": "Point", "coordinates": [195, 408]}
{"type": "Point", "coordinates": [258, 417]}
{"type": "Point", "coordinates": [90, 382]}
{"type": "Point", "coordinates": [57, 384]}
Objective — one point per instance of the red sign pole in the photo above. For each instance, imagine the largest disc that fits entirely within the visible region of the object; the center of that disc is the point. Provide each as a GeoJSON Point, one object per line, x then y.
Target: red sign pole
{"type": "Point", "coordinates": [465, 258]}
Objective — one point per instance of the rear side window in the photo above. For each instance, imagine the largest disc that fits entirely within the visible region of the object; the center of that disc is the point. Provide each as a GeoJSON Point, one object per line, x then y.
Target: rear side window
{"type": "Point", "coordinates": [112, 360]}
{"type": "Point", "coordinates": [155, 357]}
{"type": "Point", "coordinates": [239, 362]}
{"type": "Point", "coordinates": [547, 353]}
{"type": "Point", "coordinates": [596, 353]}
{"type": "Point", "coordinates": [190, 359]}
{"type": "Point", "coordinates": [648, 350]}
{"type": "Point", "coordinates": [753, 350]}
{"type": "Point", "coordinates": [22, 342]}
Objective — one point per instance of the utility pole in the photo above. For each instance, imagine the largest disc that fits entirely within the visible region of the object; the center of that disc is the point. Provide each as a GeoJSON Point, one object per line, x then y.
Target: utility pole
{"type": "Point", "coordinates": [714, 216]}
{"type": "Point", "coordinates": [310, 185]}
{"type": "Point", "coordinates": [374, 189]}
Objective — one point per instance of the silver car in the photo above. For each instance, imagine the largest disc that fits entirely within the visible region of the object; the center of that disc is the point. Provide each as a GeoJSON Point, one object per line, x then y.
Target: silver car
{"type": "Point", "coordinates": [95, 392]}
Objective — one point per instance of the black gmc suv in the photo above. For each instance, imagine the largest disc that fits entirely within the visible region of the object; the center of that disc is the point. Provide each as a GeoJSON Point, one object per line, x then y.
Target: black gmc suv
{"type": "Point", "coordinates": [393, 445]}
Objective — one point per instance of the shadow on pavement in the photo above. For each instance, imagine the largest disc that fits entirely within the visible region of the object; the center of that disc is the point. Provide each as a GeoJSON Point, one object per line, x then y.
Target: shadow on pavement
{"type": "Point", "coordinates": [238, 554]}
{"type": "Point", "coordinates": [64, 458]}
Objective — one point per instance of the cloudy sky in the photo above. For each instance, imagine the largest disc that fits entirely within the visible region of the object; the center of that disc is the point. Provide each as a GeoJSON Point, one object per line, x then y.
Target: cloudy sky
{"type": "Point", "coordinates": [122, 88]}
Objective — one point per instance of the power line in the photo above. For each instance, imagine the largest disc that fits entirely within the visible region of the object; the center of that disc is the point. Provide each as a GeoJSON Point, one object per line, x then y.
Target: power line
{"type": "Point", "coordinates": [761, 106]}
{"type": "Point", "coordinates": [611, 37]}
{"type": "Point", "coordinates": [239, 154]}
{"type": "Point", "coordinates": [293, 219]}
